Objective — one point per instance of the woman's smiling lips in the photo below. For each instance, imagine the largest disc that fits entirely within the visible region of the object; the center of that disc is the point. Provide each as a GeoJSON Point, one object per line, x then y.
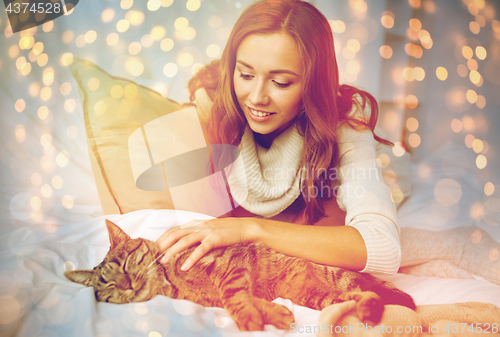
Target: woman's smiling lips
{"type": "Point", "coordinates": [259, 115]}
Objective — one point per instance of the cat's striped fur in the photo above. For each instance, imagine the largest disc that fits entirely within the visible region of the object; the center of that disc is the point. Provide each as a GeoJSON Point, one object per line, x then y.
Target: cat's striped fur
{"type": "Point", "coordinates": [243, 279]}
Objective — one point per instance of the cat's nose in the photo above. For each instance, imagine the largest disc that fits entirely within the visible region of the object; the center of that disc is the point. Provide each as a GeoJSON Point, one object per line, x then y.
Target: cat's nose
{"type": "Point", "coordinates": [123, 282]}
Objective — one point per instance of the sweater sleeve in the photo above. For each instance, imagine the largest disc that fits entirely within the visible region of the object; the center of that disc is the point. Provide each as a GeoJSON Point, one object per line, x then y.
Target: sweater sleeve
{"type": "Point", "coordinates": [366, 199]}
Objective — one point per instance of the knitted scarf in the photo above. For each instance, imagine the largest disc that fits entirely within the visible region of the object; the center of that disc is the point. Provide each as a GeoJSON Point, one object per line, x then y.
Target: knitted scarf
{"type": "Point", "coordinates": [267, 181]}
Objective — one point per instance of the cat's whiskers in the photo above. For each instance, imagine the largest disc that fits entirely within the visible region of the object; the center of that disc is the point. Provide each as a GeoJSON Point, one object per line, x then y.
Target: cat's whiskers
{"type": "Point", "coordinates": [149, 271]}
{"type": "Point", "coordinates": [155, 260]}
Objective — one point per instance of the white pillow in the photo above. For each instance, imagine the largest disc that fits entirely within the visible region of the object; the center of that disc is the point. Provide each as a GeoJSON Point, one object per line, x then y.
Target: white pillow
{"type": "Point", "coordinates": [444, 190]}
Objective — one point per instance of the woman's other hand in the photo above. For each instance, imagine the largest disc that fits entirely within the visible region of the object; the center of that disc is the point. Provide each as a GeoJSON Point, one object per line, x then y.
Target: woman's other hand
{"type": "Point", "coordinates": [209, 233]}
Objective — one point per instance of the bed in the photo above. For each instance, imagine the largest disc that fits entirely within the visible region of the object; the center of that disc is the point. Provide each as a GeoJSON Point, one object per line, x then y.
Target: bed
{"type": "Point", "coordinates": [56, 193]}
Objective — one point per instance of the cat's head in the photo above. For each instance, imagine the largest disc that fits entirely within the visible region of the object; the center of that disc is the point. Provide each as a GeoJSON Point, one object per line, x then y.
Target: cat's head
{"type": "Point", "coordinates": [128, 273]}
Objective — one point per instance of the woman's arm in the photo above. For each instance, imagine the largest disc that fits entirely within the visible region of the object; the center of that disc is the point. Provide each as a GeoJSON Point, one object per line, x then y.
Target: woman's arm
{"type": "Point", "coordinates": [340, 246]}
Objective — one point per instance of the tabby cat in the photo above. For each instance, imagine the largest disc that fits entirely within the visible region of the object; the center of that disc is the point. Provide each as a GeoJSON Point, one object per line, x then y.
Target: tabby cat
{"type": "Point", "coordinates": [243, 279]}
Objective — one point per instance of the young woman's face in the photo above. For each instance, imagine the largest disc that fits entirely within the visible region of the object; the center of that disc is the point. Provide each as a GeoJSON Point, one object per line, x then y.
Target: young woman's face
{"type": "Point", "coordinates": [268, 82]}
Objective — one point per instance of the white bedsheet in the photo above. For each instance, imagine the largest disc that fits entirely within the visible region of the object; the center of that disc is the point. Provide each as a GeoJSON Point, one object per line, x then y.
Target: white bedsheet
{"type": "Point", "coordinates": [35, 260]}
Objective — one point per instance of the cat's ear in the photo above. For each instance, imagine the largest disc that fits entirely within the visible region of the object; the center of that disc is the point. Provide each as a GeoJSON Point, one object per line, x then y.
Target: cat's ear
{"type": "Point", "coordinates": [80, 276]}
{"type": "Point", "coordinates": [116, 234]}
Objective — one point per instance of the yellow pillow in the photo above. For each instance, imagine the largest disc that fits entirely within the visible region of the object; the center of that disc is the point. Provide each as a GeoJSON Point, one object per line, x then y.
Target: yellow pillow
{"type": "Point", "coordinates": [113, 108]}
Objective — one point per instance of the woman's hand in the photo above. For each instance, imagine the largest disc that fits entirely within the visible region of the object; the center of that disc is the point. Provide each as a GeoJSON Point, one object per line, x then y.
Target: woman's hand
{"type": "Point", "coordinates": [210, 233]}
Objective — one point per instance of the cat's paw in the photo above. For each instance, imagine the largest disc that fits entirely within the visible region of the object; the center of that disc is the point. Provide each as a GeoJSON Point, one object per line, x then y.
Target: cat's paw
{"type": "Point", "coordinates": [369, 306]}
{"type": "Point", "coordinates": [247, 317]}
{"type": "Point", "coordinates": [275, 314]}
{"type": "Point", "coordinates": [252, 315]}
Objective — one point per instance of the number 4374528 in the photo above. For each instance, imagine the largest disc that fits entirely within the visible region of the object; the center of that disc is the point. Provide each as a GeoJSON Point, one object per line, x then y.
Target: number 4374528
{"type": "Point", "coordinates": [472, 328]}
{"type": "Point", "coordinates": [47, 8]}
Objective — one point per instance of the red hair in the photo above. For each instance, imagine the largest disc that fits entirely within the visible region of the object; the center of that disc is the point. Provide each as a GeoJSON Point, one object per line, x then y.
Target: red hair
{"type": "Point", "coordinates": [325, 101]}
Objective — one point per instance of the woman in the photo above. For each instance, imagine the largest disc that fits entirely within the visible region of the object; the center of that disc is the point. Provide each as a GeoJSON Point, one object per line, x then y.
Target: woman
{"type": "Point", "coordinates": [278, 98]}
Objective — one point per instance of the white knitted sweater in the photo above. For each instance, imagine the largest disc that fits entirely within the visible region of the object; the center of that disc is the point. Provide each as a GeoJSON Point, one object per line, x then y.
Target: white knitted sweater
{"type": "Point", "coordinates": [371, 211]}
{"type": "Point", "coordinates": [362, 193]}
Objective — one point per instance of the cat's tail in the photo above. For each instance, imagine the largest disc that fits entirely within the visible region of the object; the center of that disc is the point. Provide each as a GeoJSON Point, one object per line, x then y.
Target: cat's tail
{"type": "Point", "coordinates": [395, 296]}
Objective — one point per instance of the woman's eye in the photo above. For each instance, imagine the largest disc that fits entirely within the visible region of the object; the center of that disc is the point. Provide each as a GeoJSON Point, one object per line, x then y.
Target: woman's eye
{"type": "Point", "coordinates": [246, 76]}
{"type": "Point", "coordinates": [281, 85]}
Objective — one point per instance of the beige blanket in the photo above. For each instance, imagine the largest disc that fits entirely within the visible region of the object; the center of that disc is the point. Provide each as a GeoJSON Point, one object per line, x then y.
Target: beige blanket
{"type": "Point", "coordinates": [461, 319]}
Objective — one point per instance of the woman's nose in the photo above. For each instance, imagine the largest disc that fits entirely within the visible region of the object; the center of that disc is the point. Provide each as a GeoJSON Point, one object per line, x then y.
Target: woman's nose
{"type": "Point", "coordinates": [259, 95]}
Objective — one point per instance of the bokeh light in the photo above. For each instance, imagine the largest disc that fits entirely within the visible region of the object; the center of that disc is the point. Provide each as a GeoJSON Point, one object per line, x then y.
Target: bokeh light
{"type": "Point", "coordinates": [481, 101]}
{"type": "Point", "coordinates": [68, 202]}
{"type": "Point", "coordinates": [67, 36]}
{"type": "Point", "coordinates": [154, 5]}
{"type": "Point", "coordinates": [90, 36]}
{"type": "Point", "coordinates": [181, 23]}
{"type": "Point", "coordinates": [398, 149]}
{"type": "Point", "coordinates": [456, 125]}
{"type": "Point", "coordinates": [134, 48]}
{"type": "Point", "coordinates": [471, 96]}
{"type": "Point", "coordinates": [46, 191]}
{"type": "Point", "coordinates": [93, 83]}
{"type": "Point", "coordinates": [385, 51]}
{"type": "Point", "coordinates": [185, 59]}
{"type": "Point", "coordinates": [62, 159]}
{"type": "Point", "coordinates": [338, 26]}
{"type": "Point", "coordinates": [147, 41]}
{"type": "Point", "coordinates": [467, 52]}
{"type": "Point", "coordinates": [358, 5]}
{"type": "Point", "coordinates": [387, 19]}
{"type": "Point", "coordinates": [135, 17]}
{"type": "Point", "coordinates": [462, 70]}
{"type": "Point", "coordinates": [412, 124]}
{"type": "Point", "coordinates": [472, 64]}
{"type": "Point", "coordinates": [126, 4]}
{"type": "Point", "coordinates": [170, 69]}
{"type": "Point", "coordinates": [415, 24]}
{"type": "Point", "coordinates": [489, 188]}
{"type": "Point", "coordinates": [441, 73]}
{"type": "Point", "coordinates": [20, 132]}
{"type": "Point", "coordinates": [474, 27]}
{"type": "Point", "coordinates": [481, 52]}
{"type": "Point", "coordinates": [36, 179]}
{"type": "Point", "coordinates": [46, 93]}
{"type": "Point", "coordinates": [475, 77]}
{"type": "Point", "coordinates": [167, 44]}
{"type": "Point", "coordinates": [213, 51]}
{"type": "Point", "coordinates": [57, 182]}
{"type": "Point", "coordinates": [100, 108]}
{"type": "Point", "coordinates": [14, 51]}
{"type": "Point", "coordinates": [157, 33]}
{"type": "Point", "coordinates": [122, 25]}
{"type": "Point", "coordinates": [193, 5]}
{"type": "Point", "coordinates": [477, 145]}
{"type": "Point", "coordinates": [447, 192]}
{"type": "Point", "coordinates": [112, 39]}
{"type": "Point", "coordinates": [481, 161]}
{"type": "Point", "coordinates": [107, 15]}
{"type": "Point", "coordinates": [20, 105]}
{"type": "Point", "coordinates": [414, 140]}
{"type": "Point", "coordinates": [215, 21]}
{"type": "Point", "coordinates": [43, 112]}
{"type": "Point", "coordinates": [65, 88]}
{"type": "Point", "coordinates": [411, 101]}
{"type": "Point", "coordinates": [414, 50]}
